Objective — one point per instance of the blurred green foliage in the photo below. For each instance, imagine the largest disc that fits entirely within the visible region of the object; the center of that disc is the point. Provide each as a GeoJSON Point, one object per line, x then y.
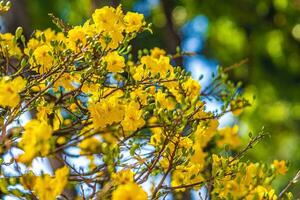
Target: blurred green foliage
{"type": "Point", "coordinates": [267, 32]}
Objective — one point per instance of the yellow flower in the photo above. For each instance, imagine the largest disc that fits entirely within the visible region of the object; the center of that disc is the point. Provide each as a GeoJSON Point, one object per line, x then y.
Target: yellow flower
{"type": "Point", "coordinates": [130, 191]}
{"type": "Point", "coordinates": [91, 89]}
{"type": "Point", "coordinates": [192, 88]}
{"type": "Point", "coordinates": [185, 142]}
{"type": "Point", "coordinates": [9, 46]}
{"type": "Point", "coordinates": [157, 137]}
{"type": "Point", "coordinates": [280, 166]}
{"type": "Point", "coordinates": [39, 86]}
{"type": "Point", "coordinates": [44, 110]}
{"type": "Point", "coordinates": [42, 61]}
{"type": "Point", "coordinates": [165, 101]}
{"type": "Point", "coordinates": [154, 65]}
{"type": "Point", "coordinates": [49, 36]}
{"type": "Point", "coordinates": [48, 33]}
{"type": "Point", "coordinates": [164, 66]}
{"type": "Point", "coordinates": [186, 174]}
{"type": "Point", "coordinates": [115, 62]}
{"type": "Point", "coordinates": [108, 19]}
{"type": "Point", "coordinates": [151, 64]}
{"type": "Point", "coordinates": [236, 106]}
{"type": "Point", "coordinates": [261, 193]}
{"type": "Point", "coordinates": [67, 81]}
{"type": "Point", "coordinates": [58, 120]}
{"type": "Point", "coordinates": [111, 40]}
{"type": "Point", "coordinates": [174, 88]}
{"type": "Point", "coordinates": [48, 188]}
{"type": "Point", "coordinates": [205, 131]}
{"type": "Point", "coordinates": [157, 52]}
{"type": "Point", "coordinates": [199, 155]}
{"type": "Point", "coordinates": [139, 73]}
{"type": "Point", "coordinates": [109, 138]}
{"type": "Point", "coordinates": [33, 43]}
{"type": "Point", "coordinates": [133, 21]}
{"type": "Point", "coordinates": [142, 94]}
{"type": "Point", "coordinates": [9, 91]}
{"type": "Point", "coordinates": [123, 177]}
{"type": "Point", "coordinates": [61, 140]}
{"type": "Point", "coordinates": [133, 117]}
{"type": "Point", "coordinates": [76, 36]}
{"type": "Point", "coordinates": [35, 140]}
{"type": "Point", "coordinates": [106, 112]}
{"type": "Point", "coordinates": [229, 136]}
{"type": "Point", "coordinates": [251, 173]}
{"type": "Point", "coordinates": [89, 145]}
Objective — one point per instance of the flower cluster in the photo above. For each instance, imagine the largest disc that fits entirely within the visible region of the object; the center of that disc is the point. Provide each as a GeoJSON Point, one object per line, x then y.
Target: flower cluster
{"type": "Point", "coordinates": [137, 119]}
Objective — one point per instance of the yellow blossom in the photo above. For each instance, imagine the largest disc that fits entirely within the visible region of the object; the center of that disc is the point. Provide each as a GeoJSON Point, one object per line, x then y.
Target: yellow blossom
{"type": "Point", "coordinates": [33, 43]}
{"type": "Point", "coordinates": [43, 110]}
{"type": "Point", "coordinates": [48, 33]}
{"type": "Point", "coordinates": [35, 140]}
{"type": "Point", "coordinates": [236, 107]}
{"type": "Point", "coordinates": [133, 117]}
{"type": "Point", "coordinates": [129, 191]}
{"type": "Point", "coordinates": [109, 138]}
{"type": "Point", "coordinates": [280, 166]}
{"type": "Point", "coordinates": [123, 177]}
{"type": "Point", "coordinates": [164, 66]}
{"type": "Point", "coordinates": [39, 87]}
{"type": "Point", "coordinates": [192, 88]}
{"type": "Point", "coordinates": [186, 175]}
{"type": "Point", "coordinates": [165, 101]}
{"type": "Point", "coordinates": [61, 140]}
{"type": "Point", "coordinates": [205, 131]}
{"type": "Point", "coordinates": [133, 21]}
{"type": "Point", "coordinates": [252, 171]}
{"type": "Point", "coordinates": [157, 52]}
{"type": "Point", "coordinates": [9, 91]}
{"type": "Point", "coordinates": [8, 45]}
{"type": "Point", "coordinates": [142, 94]}
{"type": "Point", "coordinates": [150, 64]}
{"type": "Point", "coordinates": [111, 40]}
{"type": "Point", "coordinates": [185, 142]}
{"type": "Point", "coordinates": [106, 112]}
{"type": "Point", "coordinates": [92, 90]}
{"type": "Point", "coordinates": [42, 60]}
{"type": "Point", "coordinates": [261, 193]}
{"type": "Point", "coordinates": [48, 188]}
{"type": "Point", "coordinates": [139, 73]}
{"type": "Point", "coordinates": [89, 145]}
{"type": "Point", "coordinates": [151, 112]}
{"type": "Point", "coordinates": [157, 137]}
{"type": "Point", "coordinates": [115, 62]}
{"type": "Point", "coordinates": [108, 19]}
{"type": "Point", "coordinates": [76, 36]}
{"type": "Point", "coordinates": [229, 136]}
{"type": "Point", "coordinates": [174, 88]}
{"type": "Point", "coordinates": [199, 156]}
{"type": "Point", "coordinates": [67, 81]}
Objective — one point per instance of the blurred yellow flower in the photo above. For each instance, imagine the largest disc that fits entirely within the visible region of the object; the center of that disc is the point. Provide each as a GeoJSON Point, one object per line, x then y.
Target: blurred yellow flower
{"type": "Point", "coordinates": [123, 177]}
{"type": "Point", "coordinates": [130, 191]}
{"type": "Point", "coordinates": [9, 91]}
{"type": "Point", "coordinates": [35, 140]}
{"type": "Point", "coordinates": [48, 188]}
{"type": "Point", "coordinates": [280, 166]}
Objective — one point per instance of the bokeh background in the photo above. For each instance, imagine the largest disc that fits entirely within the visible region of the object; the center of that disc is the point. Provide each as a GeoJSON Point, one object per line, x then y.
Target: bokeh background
{"type": "Point", "coordinates": [265, 32]}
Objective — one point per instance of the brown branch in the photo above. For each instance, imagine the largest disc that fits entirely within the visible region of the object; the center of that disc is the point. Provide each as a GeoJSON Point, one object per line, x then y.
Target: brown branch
{"type": "Point", "coordinates": [287, 187]}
